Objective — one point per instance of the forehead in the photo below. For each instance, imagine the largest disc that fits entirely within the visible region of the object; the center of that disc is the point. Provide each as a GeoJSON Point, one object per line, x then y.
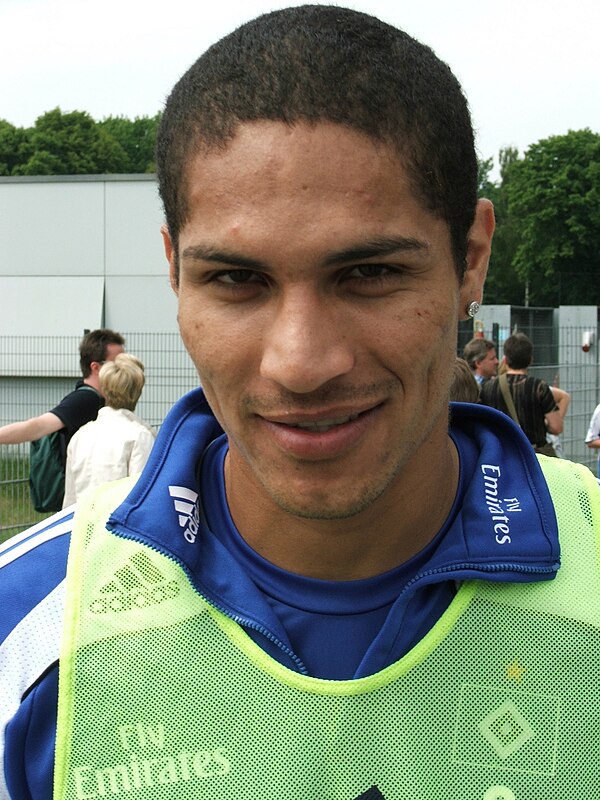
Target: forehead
{"type": "Point", "coordinates": [316, 148]}
{"type": "Point", "coordinates": [275, 174]}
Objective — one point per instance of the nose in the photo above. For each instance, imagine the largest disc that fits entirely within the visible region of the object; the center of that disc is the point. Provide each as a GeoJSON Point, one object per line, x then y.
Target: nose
{"type": "Point", "coordinates": [308, 343]}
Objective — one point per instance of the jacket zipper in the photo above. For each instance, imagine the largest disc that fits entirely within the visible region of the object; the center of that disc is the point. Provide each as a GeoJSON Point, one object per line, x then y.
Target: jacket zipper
{"type": "Point", "coordinates": [246, 622]}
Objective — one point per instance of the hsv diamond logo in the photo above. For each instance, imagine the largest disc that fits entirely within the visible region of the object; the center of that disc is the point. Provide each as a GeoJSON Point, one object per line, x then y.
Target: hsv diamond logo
{"type": "Point", "coordinates": [186, 506]}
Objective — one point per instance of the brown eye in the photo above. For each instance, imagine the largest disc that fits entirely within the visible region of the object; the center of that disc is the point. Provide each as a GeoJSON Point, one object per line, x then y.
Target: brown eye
{"type": "Point", "coordinates": [371, 270]}
{"type": "Point", "coordinates": [235, 276]}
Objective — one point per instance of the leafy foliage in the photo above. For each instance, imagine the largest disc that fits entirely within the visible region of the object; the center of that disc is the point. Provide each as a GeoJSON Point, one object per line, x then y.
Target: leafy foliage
{"type": "Point", "coordinates": [554, 192]}
{"type": "Point", "coordinates": [503, 284]}
{"type": "Point", "coordinates": [12, 144]}
{"type": "Point", "coordinates": [547, 245]}
{"type": "Point", "coordinates": [137, 139]}
{"type": "Point", "coordinates": [73, 143]}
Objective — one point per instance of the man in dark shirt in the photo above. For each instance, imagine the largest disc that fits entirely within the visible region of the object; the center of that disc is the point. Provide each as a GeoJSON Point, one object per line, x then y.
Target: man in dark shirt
{"type": "Point", "coordinates": [534, 402]}
{"type": "Point", "coordinates": [78, 407]}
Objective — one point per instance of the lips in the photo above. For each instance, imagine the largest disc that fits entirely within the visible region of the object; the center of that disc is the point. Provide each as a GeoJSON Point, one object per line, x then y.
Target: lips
{"type": "Point", "coordinates": [326, 437]}
{"type": "Point", "coordinates": [322, 426]}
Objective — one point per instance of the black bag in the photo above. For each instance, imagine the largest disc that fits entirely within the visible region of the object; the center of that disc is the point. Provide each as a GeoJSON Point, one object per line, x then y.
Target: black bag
{"type": "Point", "coordinates": [47, 461]}
{"type": "Point", "coordinates": [47, 472]}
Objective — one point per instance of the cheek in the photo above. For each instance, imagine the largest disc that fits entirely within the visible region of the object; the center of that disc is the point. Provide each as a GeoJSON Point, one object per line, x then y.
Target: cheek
{"type": "Point", "coordinates": [201, 341]}
{"type": "Point", "coordinates": [438, 330]}
{"type": "Point", "coordinates": [437, 327]}
{"type": "Point", "coordinates": [223, 354]}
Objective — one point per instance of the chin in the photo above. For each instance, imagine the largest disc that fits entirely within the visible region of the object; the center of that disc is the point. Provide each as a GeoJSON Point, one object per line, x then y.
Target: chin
{"type": "Point", "coordinates": [329, 507]}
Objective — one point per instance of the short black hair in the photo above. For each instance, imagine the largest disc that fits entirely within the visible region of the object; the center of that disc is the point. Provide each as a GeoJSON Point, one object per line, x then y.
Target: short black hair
{"type": "Point", "coordinates": [316, 64]}
{"type": "Point", "coordinates": [93, 347]}
{"type": "Point", "coordinates": [518, 351]}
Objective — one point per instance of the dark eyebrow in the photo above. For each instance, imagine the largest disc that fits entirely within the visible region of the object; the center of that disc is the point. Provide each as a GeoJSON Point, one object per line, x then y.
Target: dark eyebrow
{"type": "Point", "coordinates": [384, 246]}
{"type": "Point", "coordinates": [229, 259]}
{"type": "Point", "coordinates": [373, 248]}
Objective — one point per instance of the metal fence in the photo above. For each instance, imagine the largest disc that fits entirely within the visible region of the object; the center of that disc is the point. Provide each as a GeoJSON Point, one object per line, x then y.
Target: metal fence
{"type": "Point", "coordinates": [36, 372]}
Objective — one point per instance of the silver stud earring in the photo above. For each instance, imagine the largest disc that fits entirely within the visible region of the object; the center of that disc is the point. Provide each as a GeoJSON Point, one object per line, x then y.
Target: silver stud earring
{"type": "Point", "coordinates": [473, 308]}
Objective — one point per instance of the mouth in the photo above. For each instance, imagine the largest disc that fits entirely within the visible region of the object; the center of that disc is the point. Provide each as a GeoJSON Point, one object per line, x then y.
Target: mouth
{"type": "Point", "coordinates": [317, 436]}
{"type": "Point", "coordinates": [323, 425]}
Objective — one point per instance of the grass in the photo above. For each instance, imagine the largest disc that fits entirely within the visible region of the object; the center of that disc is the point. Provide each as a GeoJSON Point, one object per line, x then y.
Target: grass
{"type": "Point", "coordinates": [16, 510]}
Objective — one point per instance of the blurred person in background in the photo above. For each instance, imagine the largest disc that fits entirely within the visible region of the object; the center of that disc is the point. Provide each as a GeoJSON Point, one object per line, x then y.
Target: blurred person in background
{"type": "Point", "coordinates": [528, 400]}
{"type": "Point", "coordinates": [464, 388]}
{"type": "Point", "coordinates": [76, 408]}
{"type": "Point", "coordinates": [480, 355]}
{"type": "Point", "coordinates": [118, 442]}
{"type": "Point", "coordinates": [49, 433]}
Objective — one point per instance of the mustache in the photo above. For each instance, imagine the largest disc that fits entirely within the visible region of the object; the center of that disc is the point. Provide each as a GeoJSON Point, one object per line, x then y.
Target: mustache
{"type": "Point", "coordinates": [324, 397]}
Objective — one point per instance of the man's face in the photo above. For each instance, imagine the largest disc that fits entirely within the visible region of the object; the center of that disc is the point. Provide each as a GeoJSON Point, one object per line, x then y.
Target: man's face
{"type": "Point", "coordinates": [319, 303]}
{"type": "Point", "coordinates": [488, 366]}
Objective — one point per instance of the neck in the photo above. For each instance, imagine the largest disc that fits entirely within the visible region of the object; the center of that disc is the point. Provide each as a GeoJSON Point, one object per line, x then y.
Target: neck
{"type": "Point", "coordinates": [511, 371]}
{"type": "Point", "coordinates": [93, 381]}
{"type": "Point", "coordinates": [394, 528]}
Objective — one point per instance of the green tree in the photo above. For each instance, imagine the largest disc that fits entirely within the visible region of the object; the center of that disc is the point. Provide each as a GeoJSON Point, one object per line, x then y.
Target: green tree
{"type": "Point", "coordinates": [137, 138]}
{"type": "Point", "coordinates": [503, 284]}
{"type": "Point", "coordinates": [485, 186]}
{"type": "Point", "coordinates": [13, 146]}
{"type": "Point", "coordinates": [70, 144]}
{"type": "Point", "coordinates": [553, 198]}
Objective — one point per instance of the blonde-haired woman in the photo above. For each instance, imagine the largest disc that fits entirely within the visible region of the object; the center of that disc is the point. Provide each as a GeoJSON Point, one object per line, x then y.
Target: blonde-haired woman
{"type": "Point", "coordinates": [117, 443]}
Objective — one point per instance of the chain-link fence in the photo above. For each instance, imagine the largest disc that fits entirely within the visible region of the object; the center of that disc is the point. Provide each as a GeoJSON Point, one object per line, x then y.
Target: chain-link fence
{"type": "Point", "coordinates": [36, 372]}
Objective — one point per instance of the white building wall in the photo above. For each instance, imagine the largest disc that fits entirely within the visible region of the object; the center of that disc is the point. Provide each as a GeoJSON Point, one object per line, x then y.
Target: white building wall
{"type": "Point", "coordinates": [82, 252]}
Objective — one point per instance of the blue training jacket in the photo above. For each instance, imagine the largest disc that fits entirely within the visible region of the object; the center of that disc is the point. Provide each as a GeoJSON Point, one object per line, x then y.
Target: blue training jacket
{"type": "Point", "coordinates": [502, 527]}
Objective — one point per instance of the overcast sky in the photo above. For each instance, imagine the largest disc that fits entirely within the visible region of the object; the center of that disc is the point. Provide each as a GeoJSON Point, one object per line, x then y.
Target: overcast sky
{"type": "Point", "coordinates": [530, 68]}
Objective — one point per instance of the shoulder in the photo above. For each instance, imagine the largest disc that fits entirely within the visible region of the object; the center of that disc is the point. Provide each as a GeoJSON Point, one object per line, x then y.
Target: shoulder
{"type": "Point", "coordinates": [32, 582]}
{"type": "Point", "coordinates": [78, 407]}
{"type": "Point", "coordinates": [145, 429]}
{"type": "Point", "coordinates": [81, 395]}
{"type": "Point", "coordinates": [32, 564]}
{"type": "Point", "coordinates": [544, 393]}
{"type": "Point", "coordinates": [538, 383]}
{"type": "Point", "coordinates": [135, 423]}
{"type": "Point", "coordinates": [576, 497]}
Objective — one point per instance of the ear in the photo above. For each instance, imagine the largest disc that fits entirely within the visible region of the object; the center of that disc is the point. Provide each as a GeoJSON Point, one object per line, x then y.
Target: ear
{"type": "Point", "coordinates": [171, 258]}
{"type": "Point", "coordinates": [479, 248]}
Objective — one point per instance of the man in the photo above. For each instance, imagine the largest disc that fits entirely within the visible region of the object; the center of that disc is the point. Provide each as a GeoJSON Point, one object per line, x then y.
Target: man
{"type": "Point", "coordinates": [74, 410]}
{"type": "Point", "coordinates": [534, 403]}
{"type": "Point", "coordinates": [287, 609]}
{"type": "Point", "coordinates": [480, 355]}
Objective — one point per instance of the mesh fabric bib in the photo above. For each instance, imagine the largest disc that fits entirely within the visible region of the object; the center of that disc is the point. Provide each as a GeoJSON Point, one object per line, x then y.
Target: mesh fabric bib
{"type": "Point", "coordinates": [162, 696]}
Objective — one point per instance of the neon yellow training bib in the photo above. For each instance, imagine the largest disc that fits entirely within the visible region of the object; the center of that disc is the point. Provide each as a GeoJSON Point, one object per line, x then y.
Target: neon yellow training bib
{"type": "Point", "coordinates": [162, 697]}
